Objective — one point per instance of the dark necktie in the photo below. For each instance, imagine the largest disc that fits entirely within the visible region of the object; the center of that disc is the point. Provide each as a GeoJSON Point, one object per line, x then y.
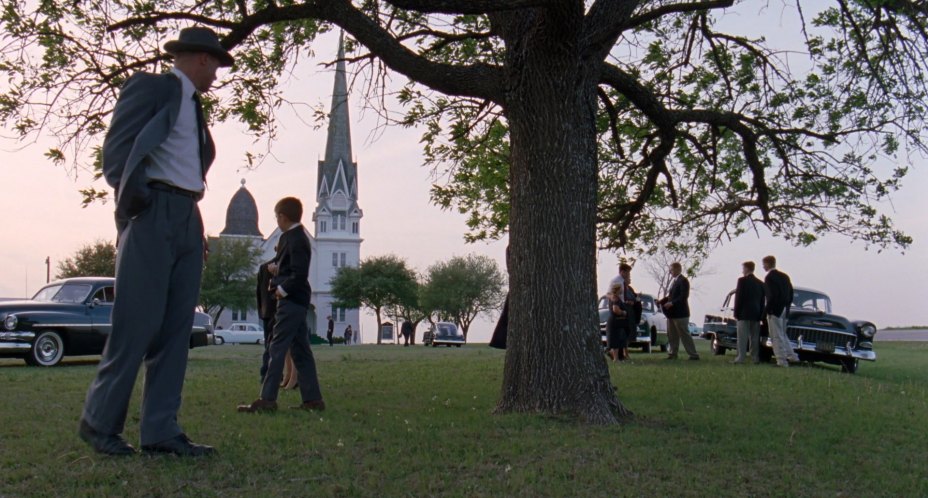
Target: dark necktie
{"type": "Point", "coordinates": [201, 133]}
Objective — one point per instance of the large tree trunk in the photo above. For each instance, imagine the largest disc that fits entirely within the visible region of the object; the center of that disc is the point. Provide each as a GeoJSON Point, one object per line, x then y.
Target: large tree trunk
{"type": "Point", "coordinates": [554, 361]}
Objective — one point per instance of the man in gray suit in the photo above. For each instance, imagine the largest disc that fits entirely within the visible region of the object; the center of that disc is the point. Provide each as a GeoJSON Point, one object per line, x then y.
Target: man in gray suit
{"type": "Point", "coordinates": [677, 310]}
{"type": "Point", "coordinates": [155, 156]}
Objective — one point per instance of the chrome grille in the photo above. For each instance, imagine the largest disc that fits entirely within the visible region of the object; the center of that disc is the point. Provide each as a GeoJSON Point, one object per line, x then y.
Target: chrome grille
{"type": "Point", "coordinates": [817, 335]}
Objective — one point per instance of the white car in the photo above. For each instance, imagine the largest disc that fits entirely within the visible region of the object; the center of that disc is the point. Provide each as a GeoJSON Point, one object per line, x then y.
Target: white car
{"type": "Point", "coordinates": [240, 333]}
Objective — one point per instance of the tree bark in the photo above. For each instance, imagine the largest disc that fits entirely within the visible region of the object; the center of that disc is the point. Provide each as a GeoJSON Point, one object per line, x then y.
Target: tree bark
{"type": "Point", "coordinates": [554, 361]}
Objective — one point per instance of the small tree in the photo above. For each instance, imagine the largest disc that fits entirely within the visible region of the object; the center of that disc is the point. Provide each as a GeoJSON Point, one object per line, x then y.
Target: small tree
{"type": "Point", "coordinates": [658, 264]}
{"type": "Point", "coordinates": [378, 283]}
{"type": "Point", "coordinates": [229, 276]}
{"type": "Point", "coordinates": [463, 287]}
{"type": "Point", "coordinates": [92, 260]}
{"type": "Point", "coordinates": [413, 311]}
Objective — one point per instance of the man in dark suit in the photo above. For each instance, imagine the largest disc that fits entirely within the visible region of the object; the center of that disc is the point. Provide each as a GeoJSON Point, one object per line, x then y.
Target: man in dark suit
{"type": "Point", "coordinates": [330, 330]}
{"type": "Point", "coordinates": [779, 292]}
{"type": "Point", "coordinates": [267, 306]}
{"type": "Point", "coordinates": [749, 309]}
{"type": "Point", "coordinates": [156, 154]}
{"type": "Point", "coordinates": [406, 330]}
{"type": "Point", "coordinates": [291, 287]}
{"type": "Point", "coordinates": [677, 310]}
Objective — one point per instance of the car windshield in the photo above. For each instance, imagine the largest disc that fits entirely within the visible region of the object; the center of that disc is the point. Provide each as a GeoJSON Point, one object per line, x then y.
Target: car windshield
{"type": "Point", "coordinates": [63, 293]}
{"type": "Point", "coordinates": [447, 330]}
{"type": "Point", "coordinates": [811, 300]}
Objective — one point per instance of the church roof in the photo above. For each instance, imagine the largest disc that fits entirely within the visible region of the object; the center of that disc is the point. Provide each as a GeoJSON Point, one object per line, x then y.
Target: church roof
{"type": "Point", "coordinates": [242, 215]}
{"type": "Point", "coordinates": [338, 171]}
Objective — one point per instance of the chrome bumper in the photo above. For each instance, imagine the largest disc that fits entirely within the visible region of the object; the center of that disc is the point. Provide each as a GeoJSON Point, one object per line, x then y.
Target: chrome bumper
{"type": "Point", "coordinates": [20, 346]}
{"type": "Point", "coordinates": [845, 351]}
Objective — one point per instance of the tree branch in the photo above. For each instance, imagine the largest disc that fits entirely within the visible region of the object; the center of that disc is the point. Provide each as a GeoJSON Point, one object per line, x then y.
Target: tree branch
{"type": "Point", "coordinates": [607, 19]}
{"type": "Point", "coordinates": [477, 80]}
{"type": "Point", "coordinates": [468, 6]}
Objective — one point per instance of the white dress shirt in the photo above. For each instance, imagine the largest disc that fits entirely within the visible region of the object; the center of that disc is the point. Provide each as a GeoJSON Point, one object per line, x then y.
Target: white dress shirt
{"type": "Point", "coordinates": [177, 160]}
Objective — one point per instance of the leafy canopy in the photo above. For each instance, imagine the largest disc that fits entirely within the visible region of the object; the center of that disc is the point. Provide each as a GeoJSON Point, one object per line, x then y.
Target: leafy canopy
{"type": "Point", "coordinates": [706, 128]}
{"type": "Point", "coordinates": [229, 276]}
{"type": "Point", "coordinates": [463, 287]}
{"type": "Point", "coordinates": [92, 260]}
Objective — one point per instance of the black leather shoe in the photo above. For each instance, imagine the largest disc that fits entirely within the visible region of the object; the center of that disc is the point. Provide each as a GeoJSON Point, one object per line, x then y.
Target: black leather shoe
{"type": "Point", "coordinates": [315, 405]}
{"type": "Point", "coordinates": [180, 445]}
{"type": "Point", "coordinates": [107, 444]}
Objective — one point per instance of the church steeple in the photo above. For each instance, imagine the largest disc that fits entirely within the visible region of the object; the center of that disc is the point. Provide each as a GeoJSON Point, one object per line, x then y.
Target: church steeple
{"type": "Point", "coordinates": [338, 172]}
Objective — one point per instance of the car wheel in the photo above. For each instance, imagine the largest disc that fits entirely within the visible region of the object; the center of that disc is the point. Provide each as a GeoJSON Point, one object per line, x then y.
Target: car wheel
{"type": "Point", "coordinates": [849, 365]}
{"type": "Point", "coordinates": [646, 348]}
{"type": "Point", "coordinates": [47, 350]}
{"type": "Point", "coordinates": [458, 345]}
{"type": "Point", "coordinates": [717, 348]}
{"type": "Point", "coordinates": [219, 340]}
{"type": "Point", "coordinates": [663, 348]}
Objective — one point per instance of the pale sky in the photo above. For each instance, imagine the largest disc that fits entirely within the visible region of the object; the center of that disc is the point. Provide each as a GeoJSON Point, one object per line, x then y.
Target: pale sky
{"type": "Point", "coordinates": [42, 216]}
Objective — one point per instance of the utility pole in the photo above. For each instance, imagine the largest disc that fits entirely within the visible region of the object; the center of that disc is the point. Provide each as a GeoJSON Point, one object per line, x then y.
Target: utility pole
{"type": "Point", "coordinates": [48, 269]}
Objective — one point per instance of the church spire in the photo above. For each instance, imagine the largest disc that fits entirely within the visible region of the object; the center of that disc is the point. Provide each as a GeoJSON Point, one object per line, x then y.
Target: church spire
{"type": "Point", "coordinates": [338, 171]}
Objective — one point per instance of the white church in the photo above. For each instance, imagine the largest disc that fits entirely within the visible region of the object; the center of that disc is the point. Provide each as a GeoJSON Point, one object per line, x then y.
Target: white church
{"type": "Point", "coordinates": [335, 234]}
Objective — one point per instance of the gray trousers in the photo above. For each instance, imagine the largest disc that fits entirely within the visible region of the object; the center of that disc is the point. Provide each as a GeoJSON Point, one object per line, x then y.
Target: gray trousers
{"type": "Point", "coordinates": [158, 268]}
{"type": "Point", "coordinates": [291, 334]}
{"type": "Point", "coordinates": [776, 327]}
{"type": "Point", "coordinates": [678, 331]}
{"type": "Point", "coordinates": [748, 333]}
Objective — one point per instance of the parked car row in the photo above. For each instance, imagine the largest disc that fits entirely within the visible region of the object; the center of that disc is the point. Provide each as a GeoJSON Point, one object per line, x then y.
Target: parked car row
{"type": "Point", "coordinates": [70, 317]}
{"type": "Point", "coordinates": [815, 334]}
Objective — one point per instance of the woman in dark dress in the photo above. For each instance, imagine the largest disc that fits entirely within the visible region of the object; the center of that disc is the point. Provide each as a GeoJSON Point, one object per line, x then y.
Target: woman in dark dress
{"type": "Point", "coordinates": [617, 325]}
{"type": "Point", "coordinates": [633, 308]}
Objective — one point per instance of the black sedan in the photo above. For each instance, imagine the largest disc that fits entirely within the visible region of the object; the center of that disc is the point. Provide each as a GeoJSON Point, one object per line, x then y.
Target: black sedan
{"type": "Point", "coordinates": [814, 332]}
{"type": "Point", "coordinates": [70, 317]}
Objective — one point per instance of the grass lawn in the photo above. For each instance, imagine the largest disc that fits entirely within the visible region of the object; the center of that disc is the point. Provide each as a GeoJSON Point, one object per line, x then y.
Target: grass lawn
{"type": "Point", "coordinates": [416, 422]}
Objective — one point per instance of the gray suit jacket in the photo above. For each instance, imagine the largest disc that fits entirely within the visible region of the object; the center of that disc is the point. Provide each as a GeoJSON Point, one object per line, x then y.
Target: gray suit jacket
{"type": "Point", "coordinates": [143, 118]}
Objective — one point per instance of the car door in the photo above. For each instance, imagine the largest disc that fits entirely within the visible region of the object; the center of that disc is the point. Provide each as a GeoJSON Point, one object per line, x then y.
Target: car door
{"type": "Point", "coordinates": [100, 309]}
{"type": "Point", "coordinates": [723, 321]}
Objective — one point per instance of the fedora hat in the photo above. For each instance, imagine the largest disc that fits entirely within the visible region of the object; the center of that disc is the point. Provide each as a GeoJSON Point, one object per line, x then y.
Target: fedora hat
{"type": "Point", "coordinates": [198, 39]}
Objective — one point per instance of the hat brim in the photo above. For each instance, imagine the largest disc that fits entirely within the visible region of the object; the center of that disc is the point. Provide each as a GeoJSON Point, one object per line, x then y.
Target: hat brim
{"type": "Point", "coordinates": [175, 47]}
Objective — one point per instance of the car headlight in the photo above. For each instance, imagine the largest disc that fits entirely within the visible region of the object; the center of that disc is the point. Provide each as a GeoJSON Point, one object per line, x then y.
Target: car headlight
{"type": "Point", "coordinates": [868, 330]}
{"type": "Point", "coordinates": [10, 322]}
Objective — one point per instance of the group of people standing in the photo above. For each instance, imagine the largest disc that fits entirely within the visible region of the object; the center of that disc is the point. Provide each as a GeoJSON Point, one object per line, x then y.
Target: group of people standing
{"type": "Point", "coordinates": [330, 332]}
{"type": "Point", "coordinates": [626, 309]}
{"type": "Point", "coordinates": [624, 314]}
{"type": "Point", "coordinates": [755, 301]}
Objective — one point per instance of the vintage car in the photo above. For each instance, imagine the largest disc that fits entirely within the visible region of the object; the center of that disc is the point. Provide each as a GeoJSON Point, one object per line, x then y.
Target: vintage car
{"type": "Point", "coordinates": [652, 329]}
{"type": "Point", "coordinates": [443, 333]}
{"type": "Point", "coordinates": [240, 333]}
{"type": "Point", "coordinates": [70, 317]}
{"type": "Point", "coordinates": [814, 332]}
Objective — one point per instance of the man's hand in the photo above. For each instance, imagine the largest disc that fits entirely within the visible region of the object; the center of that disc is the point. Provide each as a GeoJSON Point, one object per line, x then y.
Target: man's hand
{"type": "Point", "coordinates": [272, 268]}
{"type": "Point", "coordinates": [277, 294]}
{"type": "Point", "coordinates": [667, 306]}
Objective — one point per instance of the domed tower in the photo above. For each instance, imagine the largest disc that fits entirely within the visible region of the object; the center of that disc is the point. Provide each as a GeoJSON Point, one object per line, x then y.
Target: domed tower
{"type": "Point", "coordinates": [242, 215]}
{"type": "Point", "coordinates": [241, 224]}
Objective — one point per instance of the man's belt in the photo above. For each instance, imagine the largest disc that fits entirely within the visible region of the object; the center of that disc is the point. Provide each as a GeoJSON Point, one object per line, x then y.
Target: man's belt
{"type": "Point", "coordinates": [171, 189]}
